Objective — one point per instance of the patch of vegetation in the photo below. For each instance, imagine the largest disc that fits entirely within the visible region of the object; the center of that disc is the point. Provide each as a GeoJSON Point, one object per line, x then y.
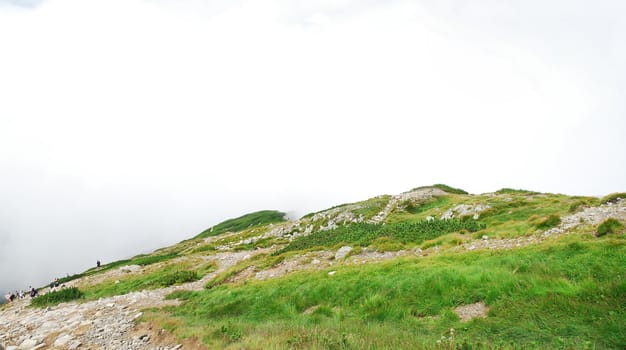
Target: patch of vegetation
{"type": "Point", "coordinates": [450, 189]}
{"type": "Point", "coordinates": [417, 208]}
{"type": "Point", "coordinates": [310, 215]}
{"type": "Point", "coordinates": [515, 191]}
{"type": "Point", "coordinates": [164, 277]}
{"type": "Point", "coordinates": [585, 202]}
{"type": "Point", "coordinates": [609, 226]}
{"type": "Point", "coordinates": [142, 260]}
{"type": "Point", "coordinates": [372, 206]}
{"type": "Point", "coordinates": [549, 222]}
{"type": "Point", "coordinates": [563, 295]}
{"type": "Point", "coordinates": [613, 198]}
{"type": "Point", "coordinates": [364, 234]}
{"type": "Point", "coordinates": [57, 297]}
{"type": "Point", "coordinates": [258, 218]}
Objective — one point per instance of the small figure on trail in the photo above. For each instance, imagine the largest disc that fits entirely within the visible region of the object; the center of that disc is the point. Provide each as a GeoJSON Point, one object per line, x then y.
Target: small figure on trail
{"type": "Point", "coordinates": [33, 292]}
{"type": "Point", "coordinates": [56, 282]}
{"type": "Point", "coordinates": [98, 263]}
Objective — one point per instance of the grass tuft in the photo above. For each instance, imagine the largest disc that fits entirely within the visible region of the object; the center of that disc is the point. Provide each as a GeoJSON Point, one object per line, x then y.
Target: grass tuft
{"type": "Point", "coordinates": [609, 226]}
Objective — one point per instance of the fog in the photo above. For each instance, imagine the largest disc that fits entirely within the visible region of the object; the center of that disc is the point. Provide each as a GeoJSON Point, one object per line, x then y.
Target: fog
{"type": "Point", "coordinates": [129, 125]}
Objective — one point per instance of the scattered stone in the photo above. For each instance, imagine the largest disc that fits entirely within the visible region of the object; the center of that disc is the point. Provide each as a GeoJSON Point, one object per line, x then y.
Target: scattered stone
{"type": "Point", "coordinates": [485, 237]}
{"type": "Point", "coordinates": [331, 273]}
{"type": "Point", "coordinates": [130, 268]}
{"type": "Point", "coordinates": [342, 252]}
{"type": "Point", "coordinates": [75, 344]}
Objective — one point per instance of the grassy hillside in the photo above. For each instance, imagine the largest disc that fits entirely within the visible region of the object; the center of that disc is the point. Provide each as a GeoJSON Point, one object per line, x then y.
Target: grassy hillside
{"type": "Point", "coordinates": [542, 270]}
{"type": "Point", "coordinates": [258, 218]}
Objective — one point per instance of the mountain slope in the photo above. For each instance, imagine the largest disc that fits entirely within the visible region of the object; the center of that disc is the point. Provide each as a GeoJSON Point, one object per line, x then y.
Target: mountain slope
{"type": "Point", "coordinates": [433, 267]}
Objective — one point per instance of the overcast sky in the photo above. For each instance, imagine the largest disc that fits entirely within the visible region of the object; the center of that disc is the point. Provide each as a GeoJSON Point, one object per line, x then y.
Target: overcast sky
{"type": "Point", "coordinates": [126, 125]}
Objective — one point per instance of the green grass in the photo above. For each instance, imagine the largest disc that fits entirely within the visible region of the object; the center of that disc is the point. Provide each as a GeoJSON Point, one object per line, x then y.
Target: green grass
{"type": "Point", "coordinates": [569, 295]}
{"type": "Point", "coordinates": [142, 260]}
{"type": "Point", "coordinates": [258, 218]}
{"type": "Point", "coordinates": [364, 234]}
{"type": "Point", "coordinates": [163, 277]}
{"type": "Point", "coordinates": [609, 226]}
{"type": "Point", "coordinates": [57, 297]}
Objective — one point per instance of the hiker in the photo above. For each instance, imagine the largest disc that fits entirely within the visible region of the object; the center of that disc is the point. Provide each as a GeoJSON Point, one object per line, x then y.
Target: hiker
{"type": "Point", "coordinates": [98, 264]}
{"type": "Point", "coordinates": [33, 292]}
{"type": "Point", "coordinates": [56, 282]}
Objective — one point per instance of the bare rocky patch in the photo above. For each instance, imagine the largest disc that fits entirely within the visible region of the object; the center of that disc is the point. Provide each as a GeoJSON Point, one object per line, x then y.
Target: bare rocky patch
{"type": "Point", "coordinates": [471, 311]}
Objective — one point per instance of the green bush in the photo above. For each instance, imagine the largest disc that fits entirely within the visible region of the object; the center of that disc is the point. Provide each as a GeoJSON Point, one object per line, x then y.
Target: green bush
{"type": "Point", "coordinates": [57, 297]}
{"type": "Point", "coordinates": [177, 277]}
{"type": "Point", "coordinates": [613, 197]}
{"type": "Point", "coordinates": [549, 222]}
{"type": "Point", "coordinates": [609, 226]}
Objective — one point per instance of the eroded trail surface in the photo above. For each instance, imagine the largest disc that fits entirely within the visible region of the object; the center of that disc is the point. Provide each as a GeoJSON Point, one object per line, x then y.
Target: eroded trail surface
{"type": "Point", "coordinates": [107, 323]}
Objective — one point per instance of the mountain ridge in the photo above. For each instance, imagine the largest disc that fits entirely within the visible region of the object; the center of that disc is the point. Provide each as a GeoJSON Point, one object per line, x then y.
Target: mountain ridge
{"type": "Point", "coordinates": [260, 252]}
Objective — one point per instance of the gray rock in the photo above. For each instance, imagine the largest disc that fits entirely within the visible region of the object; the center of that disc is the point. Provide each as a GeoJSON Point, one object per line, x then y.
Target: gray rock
{"type": "Point", "coordinates": [63, 339]}
{"type": "Point", "coordinates": [449, 214]}
{"type": "Point", "coordinates": [342, 252]}
{"type": "Point", "coordinates": [28, 344]}
{"type": "Point", "coordinates": [75, 344]}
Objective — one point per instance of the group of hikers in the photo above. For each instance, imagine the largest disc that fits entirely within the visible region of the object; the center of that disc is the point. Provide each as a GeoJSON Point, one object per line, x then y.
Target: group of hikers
{"type": "Point", "coordinates": [21, 294]}
{"type": "Point", "coordinates": [34, 292]}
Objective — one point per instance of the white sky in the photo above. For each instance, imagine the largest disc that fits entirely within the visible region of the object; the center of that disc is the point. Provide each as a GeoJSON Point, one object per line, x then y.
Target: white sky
{"type": "Point", "coordinates": [126, 125]}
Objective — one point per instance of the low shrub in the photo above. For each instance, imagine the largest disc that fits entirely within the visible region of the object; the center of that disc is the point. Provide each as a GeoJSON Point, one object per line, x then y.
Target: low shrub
{"type": "Point", "coordinates": [177, 277]}
{"type": "Point", "coordinates": [609, 226]}
{"type": "Point", "coordinates": [364, 234]}
{"type": "Point", "coordinates": [57, 297]}
{"type": "Point", "coordinates": [613, 198]}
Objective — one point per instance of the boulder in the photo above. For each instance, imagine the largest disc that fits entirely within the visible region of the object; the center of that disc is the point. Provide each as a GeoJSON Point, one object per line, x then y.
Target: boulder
{"type": "Point", "coordinates": [63, 339]}
{"type": "Point", "coordinates": [342, 252]}
{"type": "Point", "coordinates": [28, 344]}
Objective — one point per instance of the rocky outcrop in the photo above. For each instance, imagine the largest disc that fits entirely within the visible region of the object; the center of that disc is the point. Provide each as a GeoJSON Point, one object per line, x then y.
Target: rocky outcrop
{"type": "Point", "coordinates": [414, 196]}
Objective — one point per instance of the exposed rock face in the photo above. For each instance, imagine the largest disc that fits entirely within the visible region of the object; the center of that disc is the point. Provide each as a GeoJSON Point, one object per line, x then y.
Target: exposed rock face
{"type": "Point", "coordinates": [417, 195]}
{"type": "Point", "coordinates": [462, 210]}
{"type": "Point", "coordinates": [101, 324]}
{"type": "Point", "coordinates": [591, 216]}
